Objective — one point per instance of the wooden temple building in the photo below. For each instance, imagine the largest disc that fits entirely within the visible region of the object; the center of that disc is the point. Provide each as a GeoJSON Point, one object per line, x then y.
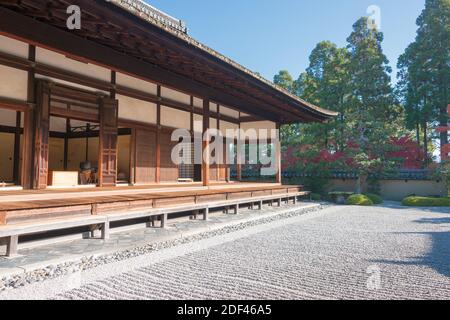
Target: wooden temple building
{"type": "Point", "coordinates": [86, 117]}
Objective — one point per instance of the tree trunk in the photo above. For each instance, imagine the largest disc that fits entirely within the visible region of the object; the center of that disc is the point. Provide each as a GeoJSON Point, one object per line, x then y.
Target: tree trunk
{"type": "Point", "coordinates": [443, 123]}
{"type": "Point", "coordinates": [419, 148]}
{"type": "Point", "coordinates": [444, 110]}
{"type": "Point", "coordinates": [361, 183]}
{"type": "Point", "coordinates": [341, 119]}
{"type": "Point", "coordinates": [418, 135]}
{"type": "Point", "coordinates": [358, 188]}
{"type": "Point", "coordinates": [425, 144]}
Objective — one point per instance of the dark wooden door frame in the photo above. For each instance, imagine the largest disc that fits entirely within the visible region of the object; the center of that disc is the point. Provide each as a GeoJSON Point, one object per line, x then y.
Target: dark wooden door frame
{"type": "Point", "coordinates": [41, 135]}
{"type": "Point", "coordinates": [108, 119]}
{"type": "Point", "coordinates": [107, 159]}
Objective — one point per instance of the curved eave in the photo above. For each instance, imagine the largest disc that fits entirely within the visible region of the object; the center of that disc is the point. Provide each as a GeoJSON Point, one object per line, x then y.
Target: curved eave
{"type": "Point", "coordinates": [315, 112]}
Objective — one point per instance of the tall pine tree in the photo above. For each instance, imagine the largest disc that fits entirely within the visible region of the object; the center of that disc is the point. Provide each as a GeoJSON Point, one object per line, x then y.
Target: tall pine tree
{"type": "Point", "coordinates": [425, 71]}
{"type": "Point", "coordinates": [326, 83]}
{"type": "Point", "coordinates": [373, 111]}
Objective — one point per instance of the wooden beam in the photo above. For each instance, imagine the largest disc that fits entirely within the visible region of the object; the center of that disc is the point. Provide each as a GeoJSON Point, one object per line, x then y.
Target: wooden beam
{"type": "Point", "coordinates": [14, 104]}
{"type": "Point", "coordinates": [97, 84]}
{"type": "Point", "coordinates": [73, 114]}
{"type": "Point", "coordinates": [205, 143]}
{"type": "Point", "coordinates": [136, 94]}
{"type": "Point", "coordinates": [9, 129]}
{"type": "Point", "coordinates": [250, 119]}
{"type": "Point", "coordinates": [14, 62]}
{"type": "Point", "coordinates": [69, 76]}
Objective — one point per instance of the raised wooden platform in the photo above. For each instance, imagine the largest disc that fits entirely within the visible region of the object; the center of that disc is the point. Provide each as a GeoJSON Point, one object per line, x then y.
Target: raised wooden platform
{"type": "Point", "coordinates": [22, 206]}
{"type": "Point", "coordinates": [39, 212]}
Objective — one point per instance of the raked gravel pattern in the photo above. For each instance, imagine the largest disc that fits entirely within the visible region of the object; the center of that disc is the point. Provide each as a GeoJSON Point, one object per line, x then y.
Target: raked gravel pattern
{"type": "Point", "coordinates": [386, 252]}
{"type": "Point", "coordinates": [92, 261]}
{"type": "Point", "coordinates": [350, 253]}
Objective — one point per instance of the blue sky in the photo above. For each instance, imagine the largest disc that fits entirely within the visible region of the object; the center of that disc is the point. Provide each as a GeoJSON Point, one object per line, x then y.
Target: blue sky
{"type": "Point", "coordinates": [271, 35]}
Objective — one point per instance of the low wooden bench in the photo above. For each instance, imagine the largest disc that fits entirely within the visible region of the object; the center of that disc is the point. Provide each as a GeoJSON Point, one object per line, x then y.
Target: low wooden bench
{"type": "Point", "coordinates": [12, 232]}
{"type": "Point", "coordinates": [154, 212]}
{"type": "Point", "coordinates": [205, 207]}
{"type": "Point", "coordinates": [259, 200]}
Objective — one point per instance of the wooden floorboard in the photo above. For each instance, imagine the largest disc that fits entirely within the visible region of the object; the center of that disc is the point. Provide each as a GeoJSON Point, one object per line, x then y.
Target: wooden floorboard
{"type": "Point", "coordinates": [37, 205]}
{"type": "Point", "coordinates": [81, 198]}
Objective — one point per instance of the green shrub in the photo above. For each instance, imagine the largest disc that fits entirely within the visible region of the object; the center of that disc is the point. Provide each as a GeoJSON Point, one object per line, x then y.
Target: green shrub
{"type": "Point", "coordinates": [359, 200]}
{"type": "Point", "coordinates": [376, 199]}
{"type": "Point", "coordinates": [426, 202]}
{"type": "Point", "coordinates": [339, 197]}
{"type": "Point", "coordinates": [341, 193]}
{"type": "Point", "coordinates": [316, 197]}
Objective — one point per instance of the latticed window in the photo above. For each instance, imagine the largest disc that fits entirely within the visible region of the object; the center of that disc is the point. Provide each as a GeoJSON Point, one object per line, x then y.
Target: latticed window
{"type": "Point", "coordinates": [186, 168]}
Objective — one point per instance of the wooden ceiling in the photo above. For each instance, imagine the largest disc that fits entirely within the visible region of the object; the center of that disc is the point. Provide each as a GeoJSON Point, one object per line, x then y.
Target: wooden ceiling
{"type": "Point", "coordinates": [105, 24]}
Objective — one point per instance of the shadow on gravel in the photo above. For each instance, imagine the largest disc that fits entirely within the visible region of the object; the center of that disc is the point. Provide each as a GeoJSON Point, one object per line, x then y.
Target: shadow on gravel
{"type": "Point", "coordinates": [399, 206]}
{"type": "Point", "coordinates": [433, 221]}
{"type": "Point", "coordinates": [438, 257]}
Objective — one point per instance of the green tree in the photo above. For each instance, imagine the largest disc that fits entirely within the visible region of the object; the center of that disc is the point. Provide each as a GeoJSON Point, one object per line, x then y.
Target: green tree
{"type": "Point", "coordinates": [374, 114]}
{"type": "Point", "coordinates": [425, 71]}
{"type": "Point", "coordinates": [326, 83]}
{"type": "Point", "coordinates": [414, 92]}
{"type": "Point", "coordinates": [290, 134]}
{"type": "Point", "coordinates": [284, 80]}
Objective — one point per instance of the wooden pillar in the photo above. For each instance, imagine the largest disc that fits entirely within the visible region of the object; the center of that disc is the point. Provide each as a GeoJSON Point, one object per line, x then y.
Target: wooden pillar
{"type": "Point", "coordinates": [191, 124]}
{"type": "Point", "coordinates": [105, 231]}
{"type": "Point", "coordinates": [218, 153]}
{"type": "Point", "coordinates": [66, 145]}
{"type": "Point", "coordinates": [133, 156]}
{"type": "Point", "coordinates": [158, 138]}
{"type": "Point", "coordinates": [239, 153]}
{"type": "Point", "coordinates": [28, 127]}
{"type": "Point", "coordinates": [112, 92]}
{"type": "Point", "coordinates": [205, 143]}
{"type": "Point", "coordinates": [41, 135]}
{"type": "Point", "coordinates": [11, 246]}
{"type": "Point", "coordinates": [27, 150]}
{"type": "Point", "coordinates": [16, 167]}
{"type": "Point", "coordinates": [107, 159]}
{"type": "Point", "coordinates": [278, 154]}
{"type": "Point", "coordinates": [164, 220]}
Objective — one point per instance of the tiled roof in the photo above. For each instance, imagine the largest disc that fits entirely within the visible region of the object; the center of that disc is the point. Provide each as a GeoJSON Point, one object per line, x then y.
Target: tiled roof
{"type": "Point", "coordinates": [169, 24]}
{"type": "Point", "coordinates": [151, 14]}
